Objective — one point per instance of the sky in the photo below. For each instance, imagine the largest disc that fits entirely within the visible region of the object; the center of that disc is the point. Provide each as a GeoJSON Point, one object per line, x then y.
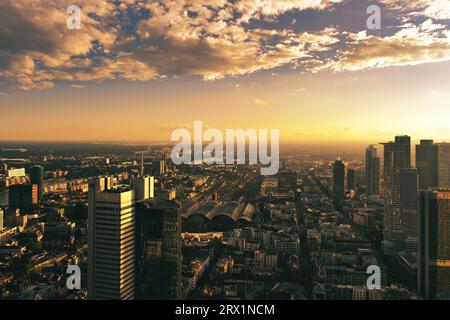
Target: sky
{"type": "Point", "coordinates": [137, 70]}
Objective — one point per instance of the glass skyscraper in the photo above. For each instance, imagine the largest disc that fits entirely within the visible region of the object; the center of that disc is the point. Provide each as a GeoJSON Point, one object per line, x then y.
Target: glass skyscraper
{"type": "Point", "coordinates": [397, 157]}
{"type": "Point", "coordinates": [434, 244]}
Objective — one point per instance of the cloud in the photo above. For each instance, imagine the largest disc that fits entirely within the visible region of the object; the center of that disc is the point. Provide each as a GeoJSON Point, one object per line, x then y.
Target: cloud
{"type": "Point", "coordinates": [77, 86]}
{"type": "Point", "coordinates": [297, 92]}
{"type": "Point", "coordinates": [436, 9]}
{"type": "Point", "coordinates": [146, 40]}
{"type": "Point", "coordinates": [410, 46]}
{"type": "Point", "coordinates": [34, 39]}
{"type": "Point", "coordinates": [341, 127]}
{"type": "Point", "coordinates": [260, 102]}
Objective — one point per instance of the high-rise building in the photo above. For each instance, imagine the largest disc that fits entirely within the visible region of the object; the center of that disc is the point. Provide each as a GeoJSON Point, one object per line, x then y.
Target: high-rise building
{"type": "Point", "coordinates": [408, 200]}
{"type": "Point", "coordinates": [338, 183]}
{"type": "Point", "coordinates": [160, 167]}
{"type": "Point", "coordinates": [23, 196]}
{"type": "Point", "coordinates": [434, 244]}
{"type": "Point", "coordinates": [142, 165]}
{"type": "Point", "coordinates": [426, 164]}
{"type": "Point", "coordinates": [144, 187]}
{"type": "Point", "coordinates": [37, 177]}
{"type": "Point", "coordinates": [397, 156]}
{"type": "Point", "coordinates": [1, 219]}
{"type": "Point", "coordinates": [159, 262]}
{"type": "Point", "coordinates": [351, 179]}
{"type": "Point", "coordinates": [443, 164]}
{"type": "Point", "coordinates": [4, 168]}
{"type": "Point", "coordinates": [372, 171]}
{"type": "Point", "coordinates": [171, 250]}
{"type": "Point", "coordinates": [95, 186]}
{"type": "Point", "coordinates": [111, 241]}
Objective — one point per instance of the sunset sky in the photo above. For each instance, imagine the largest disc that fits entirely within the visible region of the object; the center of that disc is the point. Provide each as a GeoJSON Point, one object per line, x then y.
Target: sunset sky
{"type": "Point", "coordinates": [137, 70]}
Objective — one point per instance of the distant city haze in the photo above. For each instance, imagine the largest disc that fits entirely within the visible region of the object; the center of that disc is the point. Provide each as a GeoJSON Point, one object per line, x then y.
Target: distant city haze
{"type": "Point", "coordinates": [364, 107]}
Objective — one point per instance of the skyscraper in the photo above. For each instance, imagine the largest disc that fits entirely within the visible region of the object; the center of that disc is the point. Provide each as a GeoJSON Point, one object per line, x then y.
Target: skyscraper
{"type": "Point", "coordinates": [434, 244]}
{"type": "Point", "coordinates": [338, 183]}
{"type": "Point", "coordinates": [372, 171]}
{"type": "Point", "coordinates": [95, 185]}
{"type": "Point", "coordinates": [144, 187]}
{"type": "Point", "coordinates": [159, 167]}
{"type": "Point", "coordinates": [4, 168]}
{"type": "Point", "coordinates": [1, 219]}
{"type": "Point", "coordinates": [172, 254]}
{"type": "Point", "coordinates": [426, 163]}
{"type": "Point", "coordinates": [23, 196]}
{"type": "Point", "coordinates": [408, 200]}
{"type": "Point", "coordinates": [142, 165]}
{"type": "Point", "coordinates": [37, 177]}
{"type": "Point", "coordinates": [111, 241]}
{"type": "Point", "coordinates": [397, 156]}
{"type": "Point", "coordinates": [159, 249]}
{"type": "Point", "coordinates": [443, 164]}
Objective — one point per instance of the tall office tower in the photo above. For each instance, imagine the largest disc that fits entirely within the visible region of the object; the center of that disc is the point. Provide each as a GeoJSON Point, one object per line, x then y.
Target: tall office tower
{"type": "Point", "coordinates": [159, 262]}
{"type": "Point", "coordinates": [171, 249]}
{"type": "Point", "coordinates": [158, 167]}
{"type": "Point", "coordinates": [168, 161]}
{"type": "Point", "coordinates": [351, 179]}
{"type": "Point", "coordinates": [338, 183]}
{"type": "Point", "coordinates": [372, 171]}
{"type": "Point", "coordinates": [37, 177]}
{"type": "Point", "coordinates": [4, 169]}
{"type": "Point", "coordinates": [1, 219]}
{"type": "Point", "coordinates": [94, 186]}
{"type": "Point", "coordinates": [408, 200]}
{"type": "Point", "coordinates": [111, 241]}
{"type": "Point", "coordinates": [397, 156]}
{"type": "Point", "coordinates": [443, 164]}
{"type": "Point", "coordinates": [162, 167]}
{"type": "Point", "coordinates": [142, 165]}
{"type": "Point", "coordinates": [434, 244]}
{"type": "Point", "coordinates": [144, 187]}
{"type": "Point", "coordinates": [426, 164]}
{"type": "Point", "coordinates": [23, 196]}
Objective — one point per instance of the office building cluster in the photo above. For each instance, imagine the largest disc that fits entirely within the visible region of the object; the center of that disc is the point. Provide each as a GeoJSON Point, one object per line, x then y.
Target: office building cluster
{"type": "Point", "coordinates": [140, 227]}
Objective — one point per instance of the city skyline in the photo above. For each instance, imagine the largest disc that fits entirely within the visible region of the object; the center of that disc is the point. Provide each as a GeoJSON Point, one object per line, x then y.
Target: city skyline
{"type": "Point", "coordinates": [131, 224]}
{"type": "Point", "coordinates": [224, 157]}
{"type": "Point", "coordinates": [311, 69]}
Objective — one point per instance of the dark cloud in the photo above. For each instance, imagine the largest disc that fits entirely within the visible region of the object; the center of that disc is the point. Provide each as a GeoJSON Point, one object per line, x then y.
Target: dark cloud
{"type": "Point", "coordinates": [145, 40]}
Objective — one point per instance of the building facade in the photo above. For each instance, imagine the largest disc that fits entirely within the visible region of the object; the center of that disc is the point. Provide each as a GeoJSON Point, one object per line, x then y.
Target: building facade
{"type": "Point", "coordinates": [397, 157]}
{"type": "Point", "coordinates": [111, 247]}
{"type": "Point", "coordinates": [159, 264]}
{"type": "Point", "coordinates": [443, 164]}
{"type": "Point", "coordinates": [434, 244]}
{"type": "Point", "coordinates": [408, 201]}
{"type": "Point", "coordinates": [426, 163]}
{"type": "Point", "coordinates": [372, 171]}
{"type": "Point", "coordinates": [338, 183]}
{"type": "Point", "coordinates": [37, 178]}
